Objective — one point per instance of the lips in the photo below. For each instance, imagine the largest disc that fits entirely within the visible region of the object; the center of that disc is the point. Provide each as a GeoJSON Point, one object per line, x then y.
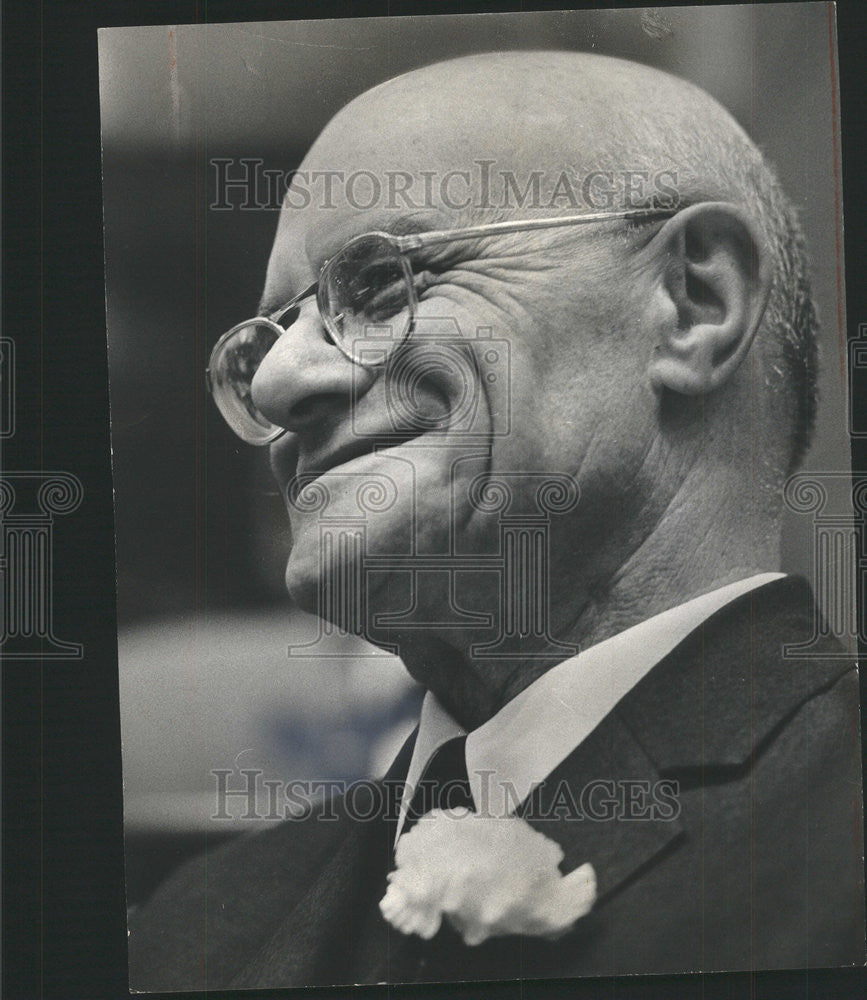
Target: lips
{"type": "Point", "coordinates": [312, 465]}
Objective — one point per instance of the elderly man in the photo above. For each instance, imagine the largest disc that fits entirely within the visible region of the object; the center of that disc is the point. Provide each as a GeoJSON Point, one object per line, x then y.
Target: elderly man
{"type": "Point", "coordinates": [614, 675]}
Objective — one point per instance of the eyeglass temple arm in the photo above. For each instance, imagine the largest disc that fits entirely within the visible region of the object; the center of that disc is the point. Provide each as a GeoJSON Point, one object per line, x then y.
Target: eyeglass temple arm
{"type": "Point", "coordinates": [414, 241]}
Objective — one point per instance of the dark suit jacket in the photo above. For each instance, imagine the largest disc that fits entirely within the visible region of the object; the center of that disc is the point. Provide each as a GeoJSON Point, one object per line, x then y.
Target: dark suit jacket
{"type": "Point", "coordinates": [761, 867]}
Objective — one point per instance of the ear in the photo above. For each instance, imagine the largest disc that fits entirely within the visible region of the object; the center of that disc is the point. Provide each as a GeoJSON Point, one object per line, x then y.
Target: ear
{"type": "Point", "coordinates": [716, 279]}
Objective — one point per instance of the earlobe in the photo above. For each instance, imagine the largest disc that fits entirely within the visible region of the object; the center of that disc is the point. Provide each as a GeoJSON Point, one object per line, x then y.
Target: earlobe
{"type": "Point", "coordinates": [715, 279]}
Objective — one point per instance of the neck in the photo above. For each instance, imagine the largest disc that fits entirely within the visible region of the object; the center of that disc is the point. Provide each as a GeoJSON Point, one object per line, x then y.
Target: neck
{"type": "Point", "coordinates": [658, 572]}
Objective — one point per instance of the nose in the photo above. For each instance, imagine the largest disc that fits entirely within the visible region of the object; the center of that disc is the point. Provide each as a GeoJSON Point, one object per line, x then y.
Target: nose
{"type": "Point", "coordinates": [305, 378]}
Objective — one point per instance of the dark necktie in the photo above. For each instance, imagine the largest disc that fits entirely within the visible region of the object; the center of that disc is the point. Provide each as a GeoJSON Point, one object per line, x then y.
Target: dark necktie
{"type": "Point", "coordinates": [444, 783]}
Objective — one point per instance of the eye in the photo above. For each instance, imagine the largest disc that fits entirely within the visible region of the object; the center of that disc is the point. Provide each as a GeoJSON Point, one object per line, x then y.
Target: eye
{"type": "Point", "coordinates": [376, 288]}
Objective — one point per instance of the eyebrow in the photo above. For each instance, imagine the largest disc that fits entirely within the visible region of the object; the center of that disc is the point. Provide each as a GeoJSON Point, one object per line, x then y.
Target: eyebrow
{"type": "Point", "coordinates": [404, 224]}
{"type": "Point", "coordinates": [401, 225]}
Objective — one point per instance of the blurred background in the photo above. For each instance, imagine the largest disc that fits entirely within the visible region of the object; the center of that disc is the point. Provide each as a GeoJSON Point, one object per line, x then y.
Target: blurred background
{"type": "Point", "coordinates": [204, 621]}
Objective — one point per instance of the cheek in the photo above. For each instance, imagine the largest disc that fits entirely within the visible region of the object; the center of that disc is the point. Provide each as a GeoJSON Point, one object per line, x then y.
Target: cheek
{"type": "Point", "coordinates": [537, 413]}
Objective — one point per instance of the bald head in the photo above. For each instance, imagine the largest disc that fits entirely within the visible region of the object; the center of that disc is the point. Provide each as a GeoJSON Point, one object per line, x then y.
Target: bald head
{"type": "Point", "coordinates": [545, 112]}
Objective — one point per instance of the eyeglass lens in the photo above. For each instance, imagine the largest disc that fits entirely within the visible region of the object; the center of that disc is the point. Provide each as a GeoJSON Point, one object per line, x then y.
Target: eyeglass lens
{"type": "Point", "coordinates": [232, 370]}
{"type": "Point", "coordinates": [365, 297]}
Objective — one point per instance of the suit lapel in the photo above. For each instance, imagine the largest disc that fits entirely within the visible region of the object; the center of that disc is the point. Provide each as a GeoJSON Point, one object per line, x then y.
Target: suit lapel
{"type": "Point", "coordinates": [710, 703]}
{"type": "Point", "coordinates": [716, 697]}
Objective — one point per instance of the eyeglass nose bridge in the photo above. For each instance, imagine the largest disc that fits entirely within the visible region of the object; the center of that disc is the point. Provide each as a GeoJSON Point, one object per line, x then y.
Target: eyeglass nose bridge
{"type": "Point", "coordinates": [294, 303]}
{"type": "Point", "coordinates": [317, 289]}
{"type": "Point", "coordinates": [278, 319]}
{"type": "Point", "coordinates": [276, 322]}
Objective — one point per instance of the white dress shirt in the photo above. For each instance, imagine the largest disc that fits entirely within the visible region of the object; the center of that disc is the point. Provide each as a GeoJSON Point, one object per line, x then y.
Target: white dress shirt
{"type": "Point", "coordinates": [520, 746]}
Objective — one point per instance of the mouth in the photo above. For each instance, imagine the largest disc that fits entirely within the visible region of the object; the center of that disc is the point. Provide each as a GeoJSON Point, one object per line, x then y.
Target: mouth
{"type": "Point", "coordinates": [311, 467]}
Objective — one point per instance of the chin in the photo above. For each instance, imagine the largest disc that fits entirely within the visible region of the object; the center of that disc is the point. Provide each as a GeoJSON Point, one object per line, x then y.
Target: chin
{"type": "Point", "coordinates": [328, 583]}
{"type": "Point", "coordinates": [303, 582]}
{"type": "Point", "coordinates": [304, 576]}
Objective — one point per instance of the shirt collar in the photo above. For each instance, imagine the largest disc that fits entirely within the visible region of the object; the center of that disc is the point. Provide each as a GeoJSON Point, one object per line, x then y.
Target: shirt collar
{"type": "Point", "coordinates": [523, 743]}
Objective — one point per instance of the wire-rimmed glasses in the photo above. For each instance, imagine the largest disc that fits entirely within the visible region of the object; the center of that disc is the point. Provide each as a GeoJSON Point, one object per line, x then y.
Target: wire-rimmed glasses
{"type": "Point", "coordinates": [365, 293]}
